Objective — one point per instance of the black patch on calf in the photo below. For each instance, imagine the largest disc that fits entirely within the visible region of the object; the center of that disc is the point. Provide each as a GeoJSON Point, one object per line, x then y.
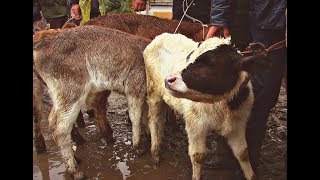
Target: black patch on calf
{"type": "Point", "coordinates": [188, 57]}
{"type": "Point", "coordinates": [240, 97]}
{"type": "Point", "coordinates": [214, 72]}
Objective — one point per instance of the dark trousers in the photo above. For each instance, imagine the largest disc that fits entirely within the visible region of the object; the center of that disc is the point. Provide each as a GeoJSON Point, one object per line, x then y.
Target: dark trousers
{"type": "Point", "coordinates": [56, 23]}
{"type": "Point", "coordinates": [199, 10]}
{"type": "Point", "coordinates": [266, 88]}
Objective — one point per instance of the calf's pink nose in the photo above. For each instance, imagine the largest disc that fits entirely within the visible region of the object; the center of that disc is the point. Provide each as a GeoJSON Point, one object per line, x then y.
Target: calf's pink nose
{"type": "Point", "coordinates": [171, 79]}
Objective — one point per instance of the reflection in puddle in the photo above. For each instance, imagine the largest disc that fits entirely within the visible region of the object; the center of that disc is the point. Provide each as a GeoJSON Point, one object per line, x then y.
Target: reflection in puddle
{"type": "Point", "coordinates": [122, 166]}
{"type": "Point", "coordinates": [48, 166]}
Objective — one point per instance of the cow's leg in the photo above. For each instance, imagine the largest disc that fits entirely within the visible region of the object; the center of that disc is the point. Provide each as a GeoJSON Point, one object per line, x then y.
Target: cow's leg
{"type": "Point", "coordinates": [197, 136]}
{"type": "Point", "coordinates": [38, 114]}
{"type": "Point", "coordinates": [136, 110]}
{"type": "Point", "coordinates": [38, 139]}
{"type": "Point", "coordinates": [67, 105]}
{"type": "Point", "coordinates": [99, 102]}
{"type": "Point", "coordinates": [237, 141]}
{"type": "Point", "coordinates": [66, 118]}
{"type": "Point", "coordinates": [76, 137]}
{"type": "Point", "coordinates": [157, 117]}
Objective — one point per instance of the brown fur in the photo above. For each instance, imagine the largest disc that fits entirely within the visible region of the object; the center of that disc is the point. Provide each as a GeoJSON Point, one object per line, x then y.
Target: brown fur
{"type": "Point", "coordinates": [44, 34]}
{"type": "Point", "coordinates": [81, 65]}
{"type": "Point", "coordinates": [149, 26]}
{"type": "Point", "coordinates": [141, 25]}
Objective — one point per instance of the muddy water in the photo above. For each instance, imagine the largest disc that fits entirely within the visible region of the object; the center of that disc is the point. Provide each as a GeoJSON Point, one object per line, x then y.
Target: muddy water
{"type": "Point", "coordinates": [117, 161]}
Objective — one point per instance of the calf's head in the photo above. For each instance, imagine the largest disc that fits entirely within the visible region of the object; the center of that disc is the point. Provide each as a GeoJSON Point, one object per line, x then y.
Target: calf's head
{"type": "Point", "coordinates": [215, 74]}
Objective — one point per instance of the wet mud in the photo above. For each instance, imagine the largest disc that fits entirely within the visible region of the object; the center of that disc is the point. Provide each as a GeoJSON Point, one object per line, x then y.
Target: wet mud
{"type": "Point", "coordinates": [117, 161]}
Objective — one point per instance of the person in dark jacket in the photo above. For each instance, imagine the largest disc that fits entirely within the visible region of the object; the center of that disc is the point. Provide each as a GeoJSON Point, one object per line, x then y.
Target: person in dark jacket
{"type": "Point", "coordinates": [54, 12]}
{"type": "Point", "coordinates": [267, 24]}
{"type": "Point", "coordinates": [95, 9]}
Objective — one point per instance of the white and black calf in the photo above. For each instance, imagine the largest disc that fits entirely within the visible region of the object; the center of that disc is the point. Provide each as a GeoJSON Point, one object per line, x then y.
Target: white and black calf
{"type": "Point", "coordinates": [209, 85]}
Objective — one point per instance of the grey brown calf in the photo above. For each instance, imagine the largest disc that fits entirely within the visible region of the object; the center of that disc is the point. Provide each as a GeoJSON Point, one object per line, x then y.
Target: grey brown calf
{"type": "Point", "coordinates": [80, 65]}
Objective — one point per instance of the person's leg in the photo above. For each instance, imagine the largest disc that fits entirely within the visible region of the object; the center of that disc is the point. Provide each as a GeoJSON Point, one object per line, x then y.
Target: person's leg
{"type": "Point", "coordinates": [199, 10]}
{"type": "Point", "coordinates": [177, 12]}
{"type": "Point", "coordinates": [94, 12]}
{"type": "Point", "coordinates": [266, 87]}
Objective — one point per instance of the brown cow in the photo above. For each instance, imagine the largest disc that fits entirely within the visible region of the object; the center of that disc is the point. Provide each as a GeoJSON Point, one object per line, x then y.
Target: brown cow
{"type": "Point", "coordinates": [149, 26]}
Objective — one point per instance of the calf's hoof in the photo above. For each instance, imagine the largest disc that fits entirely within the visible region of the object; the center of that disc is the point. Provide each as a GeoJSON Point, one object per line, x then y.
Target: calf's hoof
{"type": "Point", "coordinates": [156, 162]}
{"type": "Point", "coordinates": [40, 145]}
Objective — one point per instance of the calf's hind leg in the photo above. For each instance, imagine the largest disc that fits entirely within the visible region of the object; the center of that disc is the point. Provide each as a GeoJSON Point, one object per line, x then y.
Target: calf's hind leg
{"type": "Point", "coordinates": [37, 114]}
{"type": "Point", "coordinates": [66, 109]}
{"type": "Point", "coordinates": [76, 137]}
{"type": "Point", "coordinates": [38, 139]}
{"type": "Point", "coordinates": [66, 118]}
{"type": "Point", "coordinates": [136, 107]}
{"type": "Point", "coordinates": [99, 102]}
{"type": "Point", "coordinates": [157, 117]}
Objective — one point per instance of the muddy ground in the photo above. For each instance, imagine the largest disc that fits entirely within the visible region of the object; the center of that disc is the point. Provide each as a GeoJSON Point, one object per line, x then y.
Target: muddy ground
{"type": "Point", "coordinates": [118, 161]}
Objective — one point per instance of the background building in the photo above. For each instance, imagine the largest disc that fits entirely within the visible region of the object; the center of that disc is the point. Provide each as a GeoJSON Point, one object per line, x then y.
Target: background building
{"type": "Point", "coordinates": [159, 8]}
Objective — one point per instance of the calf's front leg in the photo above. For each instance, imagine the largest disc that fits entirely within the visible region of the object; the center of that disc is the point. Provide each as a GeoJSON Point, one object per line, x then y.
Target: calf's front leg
{"type": "Point", "coordinates": [197, 136]}
{"type": "Point", "coordinates": [237, 142]}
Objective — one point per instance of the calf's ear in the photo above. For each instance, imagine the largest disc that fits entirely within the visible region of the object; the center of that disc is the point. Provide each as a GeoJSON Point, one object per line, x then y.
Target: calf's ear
{"type": "Point", "coordinates": [255, 63]}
